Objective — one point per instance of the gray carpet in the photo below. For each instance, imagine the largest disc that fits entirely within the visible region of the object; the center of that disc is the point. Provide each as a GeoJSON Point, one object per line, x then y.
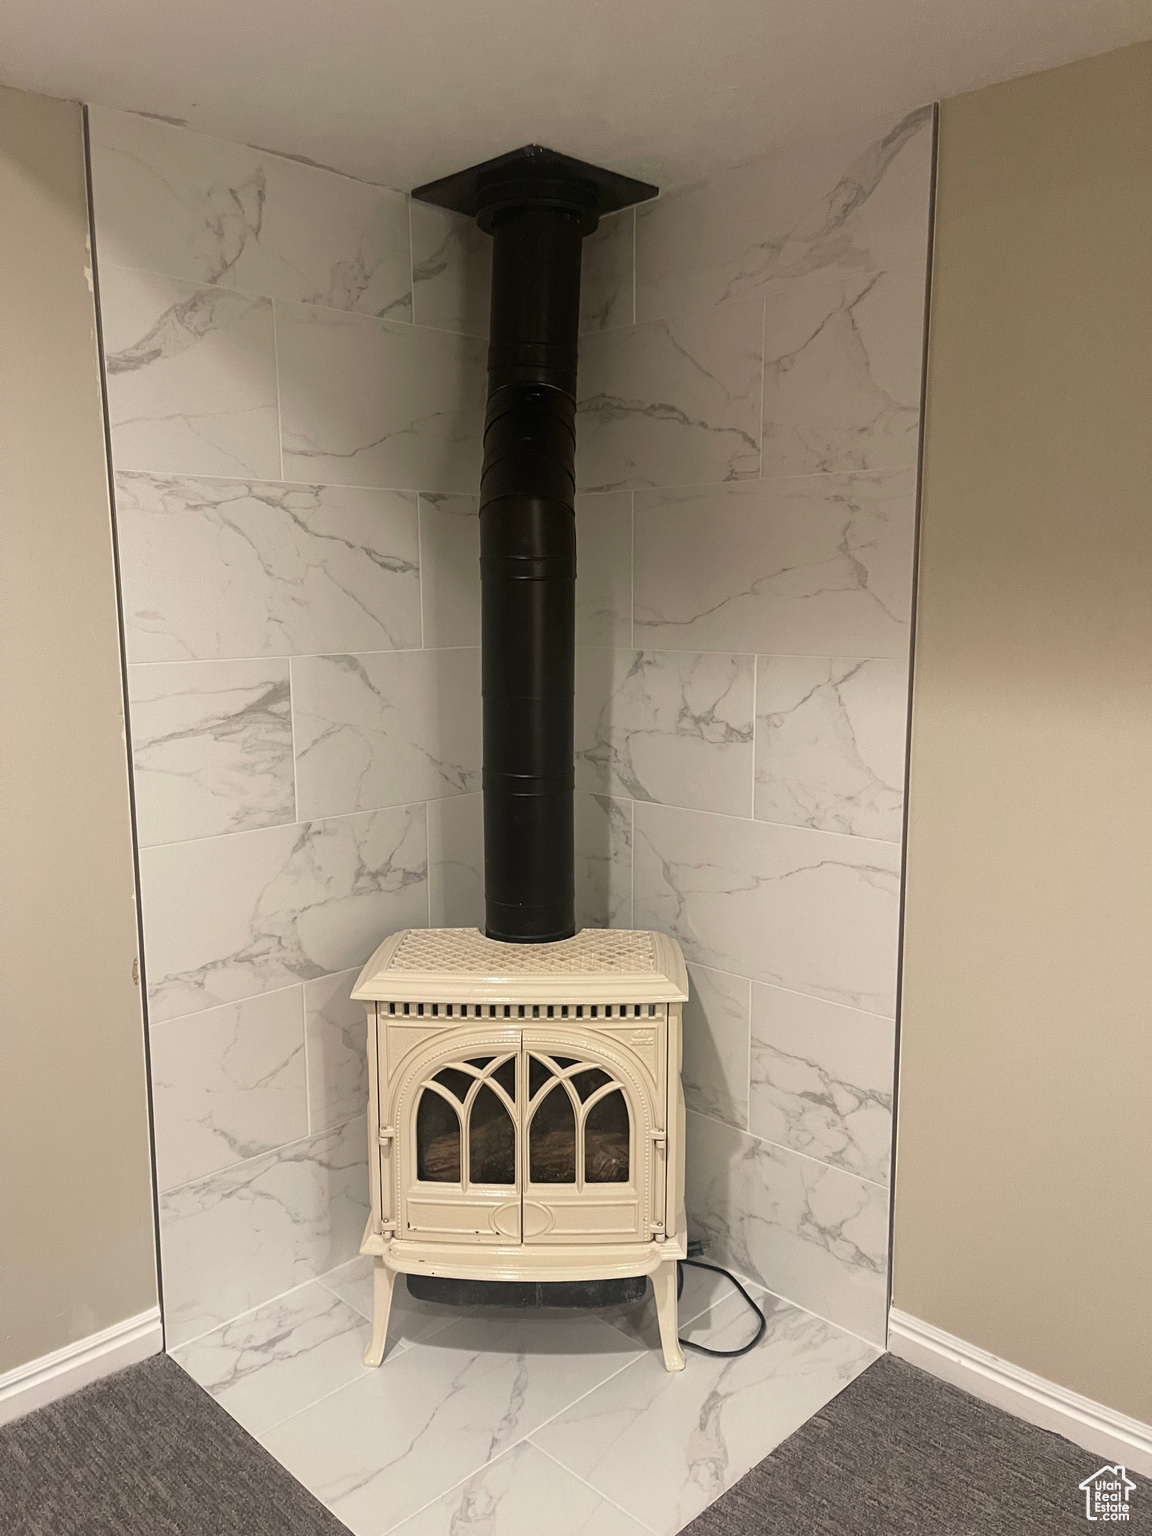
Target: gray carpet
{"type": "Point", "coordinates": [147, 1453]}
{"type": "Point", "coordinates": [899, 1453]}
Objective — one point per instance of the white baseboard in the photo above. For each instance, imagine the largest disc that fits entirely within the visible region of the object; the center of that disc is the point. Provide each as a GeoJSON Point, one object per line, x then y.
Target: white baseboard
{"type": "Point", "coordinates": [66, 1370]}
{"type": "Point", "coordinates": [1086, 1423]}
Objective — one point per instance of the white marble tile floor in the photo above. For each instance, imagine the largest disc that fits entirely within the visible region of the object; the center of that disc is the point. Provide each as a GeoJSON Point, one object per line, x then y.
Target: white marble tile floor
{"type": "Point", "coordinates": [517, 1423]}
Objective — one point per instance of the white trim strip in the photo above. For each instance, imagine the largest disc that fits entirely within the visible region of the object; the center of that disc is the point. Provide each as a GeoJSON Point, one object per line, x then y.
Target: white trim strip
{"type": "Point", "coordinates": [1086, 1423]}
{"type": "Point", "coordinates": [76, 1365]}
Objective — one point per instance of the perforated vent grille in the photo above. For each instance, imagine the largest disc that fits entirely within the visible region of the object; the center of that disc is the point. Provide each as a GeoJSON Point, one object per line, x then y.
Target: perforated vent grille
{"type": "Point", "coordinates": [524, 1010]}
{"type": "Point", "coordinates": [466, 951]}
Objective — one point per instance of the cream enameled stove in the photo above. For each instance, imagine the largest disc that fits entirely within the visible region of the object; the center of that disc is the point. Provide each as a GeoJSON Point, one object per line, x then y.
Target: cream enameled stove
{"type": "Point", "coordinates": [526, 1119]}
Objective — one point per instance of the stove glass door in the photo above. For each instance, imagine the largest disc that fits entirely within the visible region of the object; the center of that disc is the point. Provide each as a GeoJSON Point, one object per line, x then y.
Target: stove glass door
{"type": "Point", "coordinates": [588, 1133]}
{"type": "Point", "coordinates": [460, 1166]}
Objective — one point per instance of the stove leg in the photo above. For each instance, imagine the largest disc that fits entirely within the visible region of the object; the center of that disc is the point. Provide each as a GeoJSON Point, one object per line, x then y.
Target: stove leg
{"type": "Point", "coordinates": [667, 1314]}
{"type": "Point", "coordinates": [383, 1282]}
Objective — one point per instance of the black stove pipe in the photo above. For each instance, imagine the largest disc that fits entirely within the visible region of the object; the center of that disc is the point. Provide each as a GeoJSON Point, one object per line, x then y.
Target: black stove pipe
{"type": "Point", "coordinates": [537, 206]}
{"type": "Point", "coordinates": [528, 574]}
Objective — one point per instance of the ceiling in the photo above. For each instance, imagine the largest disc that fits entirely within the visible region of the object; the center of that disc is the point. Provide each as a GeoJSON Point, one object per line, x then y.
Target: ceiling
{"type": "Point", "coordinates": [401, 91]}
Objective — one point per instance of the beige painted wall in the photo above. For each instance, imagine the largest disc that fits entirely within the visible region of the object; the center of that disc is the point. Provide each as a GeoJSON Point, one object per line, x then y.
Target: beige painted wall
{"type": "Point", "coordinates": [76, 1229]}
{"type": "Point", "coordinates": [1024, 1171]}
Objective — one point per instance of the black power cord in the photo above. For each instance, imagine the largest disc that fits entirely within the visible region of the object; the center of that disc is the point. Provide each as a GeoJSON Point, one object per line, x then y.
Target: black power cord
{"type": "Point", "coordinates": [761, 1328]}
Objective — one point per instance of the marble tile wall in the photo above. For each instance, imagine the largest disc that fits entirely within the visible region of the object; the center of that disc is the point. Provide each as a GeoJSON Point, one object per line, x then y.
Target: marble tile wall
{"type": "Point", "coordinates": [295, 371]}
{"type": "Point", "coordinates": [748, 440]}
{"type": "Point", "coordinates": [295, 365]}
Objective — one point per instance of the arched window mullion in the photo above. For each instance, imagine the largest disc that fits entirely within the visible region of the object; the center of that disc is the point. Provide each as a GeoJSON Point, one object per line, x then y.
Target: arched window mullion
{"type": "Point", "coordinates": [578, 1122]}
{"type": "Point", "coordinates": [449, 1098]}
{"type": "Point", "coordinates": [509, 1104]}
{"type": "Point", "coordinates": [466, 1131]}
{"type": "Point", "coordinates": [605, 1092]}
{"type": "Point", "coordinates": [490, 1078]}
{"type": "Point", "coordinates": [582, 1108]}
{"type": "Point", "coordinates": [423, 1148]}
{"type": "Point", "coordinates": [573, 1096]}
{"type": "Point", "coordinates": [556, 1075]}
{"type": "Point", "coordinates": [602, 1093]}
{"type": "Point", "coordinates": [473, 1129]}
{"type": "Point", "coordinates": [553, 1071]}
{"type": "Point", "coordinates": [553, 1089]}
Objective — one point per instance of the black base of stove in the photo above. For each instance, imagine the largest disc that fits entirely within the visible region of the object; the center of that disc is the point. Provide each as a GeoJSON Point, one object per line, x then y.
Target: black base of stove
{"type": "Point", "coordinates": [527, 1293]}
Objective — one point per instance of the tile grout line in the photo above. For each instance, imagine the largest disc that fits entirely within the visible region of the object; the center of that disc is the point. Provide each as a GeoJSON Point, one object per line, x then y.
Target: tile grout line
{"type": "Point", "coordinates": [643, 1354]}
{"type": "Point", "coordinates": [696, 650]}
{"type": "Point", "coordinates": [528, 1438]}
{"type": "Point", "coordinates": [420, 584]}
{"type": "Point", "coordinates": [632, 861]}
{"type": "Point", "coordinates": [763, 371]}
{"type": "Point", "coordinates": [748, 1100]}
{"type": "Point", "coordinates": [755, 714]}
{"type": "Point", "coordinates": [757, 1285]}
{"type": "Point", "coordinates": [286, 1146]}
{"type": "Point", "coordinates": [775, 986]}
{"type": "Point", "coordinates": [627, 1366]}
{"type": "Point", "coordinates": [475, 1470]}
{"type": "Point", "coordinates": [411, 256]}
{"type": "Point", "coordinates": [632, 571]}
{"type": "Point", "coordinates": [635, 223]}
{"type": "Point", "coordinates": [269, 656]}
{"type": "Point", "coordinates": [178, 1018]}
{"type": "Point", "coordinates": [735, 652]}
{"type": "Point", "coordinates": [603, 490]}
{"type": "Point", "coordinates": [366, 1316]}
{"type": "Point", "coordinates": [276, 374]}
{"type": "Point", "coordinates": [292, 733]}
{"type": "Point", "coordinates": [799, 1306]}
{"type": "Point", "coordinates": [695, 810]}
{"type": "Point", "coordinates": [524, 1439]}
{"type": "Point", "coordinates": [287, 483]}
{"type": "Point", "coordinates": [248, 1312]}
{"type": "Point", "coordinates": [301, 819]}
{"type": "Point", "coordinates": [309, 306]}
{"type": "Point", "coordinates": [194, 1013]}
{"type": "Point", "coordinates": [408, 650]}
{"type": "Point", "coordinates": [467, 1478]}
{"type": "Point", "coordinates": [306, 821]}
{"type": "Point", "coordinates": [402, 1348]}
{"type": "Point", "coordinates": [399, 1348]}
{"type": "Point", "coordinates": [307, 1063]}
{"type": "Point", "coordinates": [396, 1354]}
{"type": "Point", "coordinates": [792, 1151]}
{"type": "Point", "coordinates": [752, 482]}
{"type": "Point", "coordinates": [555, 1460]}
{"type": "Point", "coordinates": [238, 1002]}
{"type": "Point", "coordinates": [427, 866]}
{"type": "Point", "coordinates": [632, 633]}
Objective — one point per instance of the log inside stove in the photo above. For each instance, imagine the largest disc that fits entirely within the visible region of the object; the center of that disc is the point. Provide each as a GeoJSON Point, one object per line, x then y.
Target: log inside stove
{"type": "Point", "coordinates": [552, 1156]}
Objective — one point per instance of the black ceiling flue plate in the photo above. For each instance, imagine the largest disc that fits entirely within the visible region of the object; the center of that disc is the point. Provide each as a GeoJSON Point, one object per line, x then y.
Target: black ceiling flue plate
{"type": "Point", "coordinates": [463, 190]}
